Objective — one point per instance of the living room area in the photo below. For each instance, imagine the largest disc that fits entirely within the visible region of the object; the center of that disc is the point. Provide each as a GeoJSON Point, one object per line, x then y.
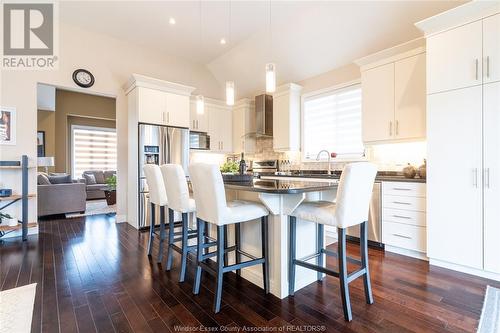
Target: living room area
{"type": "Point", "coordinates": [77, 153]}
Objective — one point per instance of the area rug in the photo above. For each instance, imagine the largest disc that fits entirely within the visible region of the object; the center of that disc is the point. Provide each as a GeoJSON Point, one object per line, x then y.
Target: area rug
{"type": "Point", "coordinates": [95, 207]}
{"type": "Point", "coordinates": [16, 309]}
{"type": "Point", "coordinates": [490, 315]}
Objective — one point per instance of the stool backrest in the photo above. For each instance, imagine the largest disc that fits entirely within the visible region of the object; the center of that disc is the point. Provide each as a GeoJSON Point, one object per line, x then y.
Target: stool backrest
{"type": "Point", "coordinates": [209, 193]}
{"type": "Point", "coordinates": [176, 186]}
{"type": "Point", "coordinates": [157, 193]}
{"type": "Point", "coordinates": [354, 193]}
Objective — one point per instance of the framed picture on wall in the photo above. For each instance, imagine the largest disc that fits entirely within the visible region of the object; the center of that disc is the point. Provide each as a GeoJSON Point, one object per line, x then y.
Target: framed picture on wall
{"type": "Point", "coordinates": [40, 143]}
{"type": "Point", "coordinates": [7, 126]}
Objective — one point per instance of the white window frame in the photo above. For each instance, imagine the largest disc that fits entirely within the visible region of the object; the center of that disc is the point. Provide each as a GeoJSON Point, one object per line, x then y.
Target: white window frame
{"type": "Point", "coordinates": [318, 93]}
{"type": "Point", "coordinates": [104, 129]}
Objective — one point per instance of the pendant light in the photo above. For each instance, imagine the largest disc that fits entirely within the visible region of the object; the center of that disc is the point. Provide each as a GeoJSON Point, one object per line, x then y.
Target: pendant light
{"type": "Point", "coordinates": [229, 92]}
{"type": "Point", "coordinates": [229, 84]}
{"type": "Point", "coordinates": [270, 67]}
{"type": "Point", "coordinates": [200, 100]}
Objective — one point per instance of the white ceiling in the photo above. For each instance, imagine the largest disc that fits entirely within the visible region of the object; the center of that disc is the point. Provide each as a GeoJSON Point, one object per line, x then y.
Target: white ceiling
{"type": "Point", "coordinates": [308, 37]}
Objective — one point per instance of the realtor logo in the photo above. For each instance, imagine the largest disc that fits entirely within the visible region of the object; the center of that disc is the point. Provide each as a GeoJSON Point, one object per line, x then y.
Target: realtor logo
{"type": "Point", "coordinates": [29, 36]}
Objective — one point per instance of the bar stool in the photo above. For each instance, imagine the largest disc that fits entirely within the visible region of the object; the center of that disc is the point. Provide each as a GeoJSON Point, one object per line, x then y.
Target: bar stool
{"type": "Point", "coordinates": [351, 208]}
{"type": "Point", "coordinates": [157, 197]}
{"type": "Point", "coordinates": [211, 207]}
{"type": "Point", "coordinates": [177, 189]}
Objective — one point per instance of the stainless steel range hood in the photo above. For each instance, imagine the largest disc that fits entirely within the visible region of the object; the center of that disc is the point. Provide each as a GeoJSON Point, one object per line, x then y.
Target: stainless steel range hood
{"type": "Point", "coordinates": [264, 115]}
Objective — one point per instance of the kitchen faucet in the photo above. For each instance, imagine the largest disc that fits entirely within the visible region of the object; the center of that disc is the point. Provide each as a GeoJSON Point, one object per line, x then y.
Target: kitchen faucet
{"type": "Point", "coordinates": [329, 159]}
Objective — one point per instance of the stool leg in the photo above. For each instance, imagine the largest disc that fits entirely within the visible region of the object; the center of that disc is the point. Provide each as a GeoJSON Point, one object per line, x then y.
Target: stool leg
{"type": "Point", "coordinates": [363, 232]}
{"type": "Point", "coordinates": [237, 237]}
{"type": "Point", "coordinates": [265, 252]}
{"type": "Point", "coordinates": [320, 248]}
{"type": "Point", "coordinates": [344, 284]}
{"type": "Point", "coordinates": [207, 233]}
{"type": "Point", "coordinates": [291, 255]}
{"type": "Point", "coordinates": [162, 233]}
{"type": "Point", "coordinates": [171, 230]}
{"type": "Point", "coordinates": [226, 258]}
{"type": "Point", "coordinates": [185, 245]}
{"type": "Point", "coordinates": [151, 229]}
{"type": "Point", "coordinates": [220, 266]}
{"type": "Point", "coordinates": [199, 255]}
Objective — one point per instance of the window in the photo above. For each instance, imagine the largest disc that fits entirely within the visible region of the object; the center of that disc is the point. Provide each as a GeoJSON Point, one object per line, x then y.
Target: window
{"type": "Point", "coordinates": [92, 148]}
{"type": "Point", "coordinates": [332, 121]}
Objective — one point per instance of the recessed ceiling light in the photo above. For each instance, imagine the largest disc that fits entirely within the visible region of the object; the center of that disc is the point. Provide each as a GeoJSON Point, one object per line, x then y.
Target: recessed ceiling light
{"type": "Point", "coordinates": [171, 21]}
{"type": "Point", "coordinates": [223, 41]}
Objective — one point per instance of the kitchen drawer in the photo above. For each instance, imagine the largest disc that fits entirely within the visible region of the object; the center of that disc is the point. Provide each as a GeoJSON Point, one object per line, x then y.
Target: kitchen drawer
{"type": "Point", "coordinates": [403, 189]}
{"type": "Point", "coordinates": [402, 202]}
{"type": "Point", "coordinates": [405, 236]}
{"type": "Point", "coordinates": [404, 216]}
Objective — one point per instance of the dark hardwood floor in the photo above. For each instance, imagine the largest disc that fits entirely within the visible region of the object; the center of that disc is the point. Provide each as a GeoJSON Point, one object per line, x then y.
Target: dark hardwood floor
{"type": "Point", "coordinates": [94, 275]}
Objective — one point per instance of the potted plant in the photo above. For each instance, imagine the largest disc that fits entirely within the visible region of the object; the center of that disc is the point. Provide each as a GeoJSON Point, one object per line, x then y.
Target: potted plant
{"type": "Point", "coordinates": [110, 192]}
{"type": "Point", "coordinates": [8, 219]}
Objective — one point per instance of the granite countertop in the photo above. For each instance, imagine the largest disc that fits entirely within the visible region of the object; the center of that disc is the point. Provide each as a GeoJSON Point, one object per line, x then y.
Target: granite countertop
{"type": "Point", "coordinates": [281, 186]}
{"type": "Point", "coordinates": [383, 176]}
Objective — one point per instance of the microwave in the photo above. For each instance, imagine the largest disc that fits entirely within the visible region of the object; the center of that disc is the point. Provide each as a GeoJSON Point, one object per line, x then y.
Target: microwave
{"type": "Point", "coordinates": [199, 140]}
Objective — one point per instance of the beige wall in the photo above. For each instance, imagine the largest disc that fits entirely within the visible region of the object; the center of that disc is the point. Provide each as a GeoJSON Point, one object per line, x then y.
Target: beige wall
{"type": "Point", "coordinates": [112, 61]}
{"type": "Point", "coordinates": [47, 123]}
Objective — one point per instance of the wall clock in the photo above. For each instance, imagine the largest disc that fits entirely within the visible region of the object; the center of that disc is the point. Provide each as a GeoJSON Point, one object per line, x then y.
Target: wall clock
{"type": "Point", "coordinates": [83, 78]}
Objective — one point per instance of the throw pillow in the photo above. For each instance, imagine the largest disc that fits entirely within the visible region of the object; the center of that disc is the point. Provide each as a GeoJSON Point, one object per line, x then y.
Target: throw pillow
{"type": "Point", "coordinates": [60, 179]}
{"type": "Point", "coordinates": [89, 179]}
{"type": "Point", "coordinates": [43, 179]}
{"type": "Point", "coordinates": [99, 177]}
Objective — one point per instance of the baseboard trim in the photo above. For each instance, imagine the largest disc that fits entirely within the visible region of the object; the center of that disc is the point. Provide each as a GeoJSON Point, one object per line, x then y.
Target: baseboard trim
{"type": "Point", "coordinates": [121, 218]}
{"type": "Point", "coordinates": [406, 252]}
{"type": "Point", "coordinates": [465, 269]}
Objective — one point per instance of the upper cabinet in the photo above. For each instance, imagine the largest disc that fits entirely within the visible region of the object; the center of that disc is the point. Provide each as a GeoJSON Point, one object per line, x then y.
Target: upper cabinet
{"type": "Point", "coordinates": [220, 124]}
{"type": "Point", "coordinates": [394, 98]}
{"type": "Point", "coordinates": [244, 126]}
{"type": "Point", "coordinates": [198, 121]}
{"type": "Point", "coordinates": [158, 102]}
{"type": "Point", "coordinates": [456, 60]}
{"type": "Point", "coordinates": [286, 118]}
{"type": "Point", "coordinates": [491, 48]}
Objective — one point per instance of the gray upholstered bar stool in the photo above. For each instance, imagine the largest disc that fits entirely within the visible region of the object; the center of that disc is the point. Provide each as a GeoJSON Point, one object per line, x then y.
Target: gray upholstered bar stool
{"type": "Point", "coordinates": [350, 209]}
{"type": "Point", "coordinates": [177, 189]}
{"type": "Point", "coordinates": [211, 207]}
{"type": "Point", "coordinates": [157, 197]}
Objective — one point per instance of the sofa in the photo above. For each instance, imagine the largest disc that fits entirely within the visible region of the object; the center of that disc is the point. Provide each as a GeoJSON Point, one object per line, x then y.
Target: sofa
{"type": "Point", "coordinates": [60, 195]}
{"type": "Point", "coordinates": [95, 183]}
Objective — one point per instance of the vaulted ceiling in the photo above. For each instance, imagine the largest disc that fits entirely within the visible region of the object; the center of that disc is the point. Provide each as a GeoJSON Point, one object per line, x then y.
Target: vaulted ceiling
{"type": "Point", "coordinates": [306, 38]}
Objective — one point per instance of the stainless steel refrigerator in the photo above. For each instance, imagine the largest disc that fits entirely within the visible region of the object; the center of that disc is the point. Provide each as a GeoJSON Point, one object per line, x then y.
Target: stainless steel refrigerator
{"type": "Point", "coordinates": [159, 145]}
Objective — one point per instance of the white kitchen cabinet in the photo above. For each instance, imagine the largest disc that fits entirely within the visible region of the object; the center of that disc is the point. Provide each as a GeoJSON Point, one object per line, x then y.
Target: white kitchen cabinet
{"type": "Point", "coordinates": [455, 58]}
{"type": "Point", "coordinates": [286, 118]}
{"type": "Point", "coordinates": [491, 48]}
{"type": "Point", "coordinates": [198, 122]}
{"type": "Point", "coordinates": [410, 98]}
{"type": "Point", "coordinates": [454, 186]}
{"type": "Point", "coordinates": [152, 106]}
{"type": "Point", "coordinates": [377, 85]}
{"type": "Point", "coordinates": [177, 113]}
{"type": "Point", "coordinates": [244, 139]}
{"type": "Point", "coordinates": [491, 114]}
{"type": "Point", "coordinates": [220, 123]}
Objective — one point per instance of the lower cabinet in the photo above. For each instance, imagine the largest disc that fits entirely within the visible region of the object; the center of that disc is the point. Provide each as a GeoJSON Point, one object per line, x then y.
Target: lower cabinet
{"type": "Point", "coordinates": [403, 216]}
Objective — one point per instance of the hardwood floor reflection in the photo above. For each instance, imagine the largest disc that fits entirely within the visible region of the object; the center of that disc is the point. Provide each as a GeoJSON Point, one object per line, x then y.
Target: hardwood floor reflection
{"type": "Point", "coordinates": [94, 275]}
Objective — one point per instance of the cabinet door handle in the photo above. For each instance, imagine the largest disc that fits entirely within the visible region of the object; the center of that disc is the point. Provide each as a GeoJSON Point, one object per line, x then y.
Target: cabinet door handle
{"type": "Point", "coordinates": [168, 117]}
{"type": "Point", "coordinates": [487, 177]}
{"type": "Point", "coordinates": [390, 128]}
{"type": "Point", "coordinates": [474, 177]}
{"type": "Point", "coordinates": [477, 69]}
{"type": "Point", "coordinates": [197, 124]}
{"type": "Point", "coordinates": [488, 66]}
{"type": "Point", "coordinates": [401, 203]}
{"type": "Point", "coordinates": [163, 117]}
{"type": "Point", "coordinates": [401, 217]}
{"type": "Point", "coordinates": [401, 236]}
{"type": "Point", "coordinates": [401, 189]}
{"type": "Point", "coordinates": [222, 144]}
{"type": "Point", "coordinates": [397, 127]}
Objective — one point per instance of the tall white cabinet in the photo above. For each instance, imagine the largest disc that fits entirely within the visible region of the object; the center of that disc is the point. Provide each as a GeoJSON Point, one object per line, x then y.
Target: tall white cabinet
{"type": "Point", "coordinates": [463, 126]}
{"type": "Point", "coordinates": [220, 124]}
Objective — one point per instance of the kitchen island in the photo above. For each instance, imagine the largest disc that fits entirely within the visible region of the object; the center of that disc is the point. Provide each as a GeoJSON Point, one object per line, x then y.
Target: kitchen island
{"type": "Point", "coordinates": [281, 197]}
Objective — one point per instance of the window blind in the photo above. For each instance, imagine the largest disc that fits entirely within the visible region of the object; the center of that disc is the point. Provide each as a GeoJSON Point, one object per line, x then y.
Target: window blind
{"type": "Point", "coordinates": [332, 121]}
{"type": "Point", "coordinates": [93, 149]}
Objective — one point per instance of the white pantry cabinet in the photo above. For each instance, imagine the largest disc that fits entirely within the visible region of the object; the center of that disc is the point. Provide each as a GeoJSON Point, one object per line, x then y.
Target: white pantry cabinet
{"type": "Point", "coordinates": [198, 122]}
{"type": "Point", "coordinates": [491, 48]}
{"type": "Point", "coordinates": [394, 98]}
{"type": "Point", "coordinates": [491, 114]}
{"type": "Point", "coordinates": [220, 122]}
{"type": "Point", "coordinates": [454, 187]}
{"type": "Point", "coordinates": [286, 118]}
